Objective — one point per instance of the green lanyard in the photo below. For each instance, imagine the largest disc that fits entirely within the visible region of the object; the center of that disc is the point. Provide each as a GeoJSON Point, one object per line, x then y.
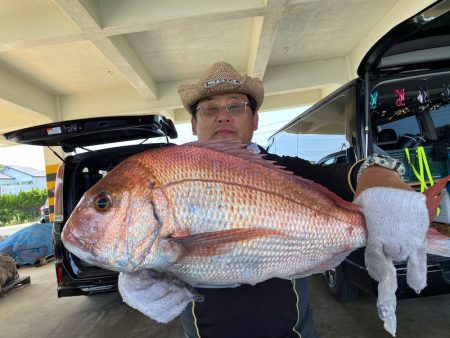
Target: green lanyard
{"type": "Point", "coordinates": [423, 163]}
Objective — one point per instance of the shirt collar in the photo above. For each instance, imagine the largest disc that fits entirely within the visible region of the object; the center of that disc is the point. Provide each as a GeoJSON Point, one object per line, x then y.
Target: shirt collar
{"type": "Point", "coordinates": [253, 147]}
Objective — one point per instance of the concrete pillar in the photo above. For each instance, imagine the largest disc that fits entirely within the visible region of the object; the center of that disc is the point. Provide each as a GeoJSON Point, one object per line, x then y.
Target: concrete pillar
{"type": "Point", "coordinates": [52, 162]}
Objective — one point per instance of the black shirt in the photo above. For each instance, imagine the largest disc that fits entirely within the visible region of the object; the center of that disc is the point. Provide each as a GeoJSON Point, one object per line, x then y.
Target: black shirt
{"type": "Point", "coordinates": [276, 308]}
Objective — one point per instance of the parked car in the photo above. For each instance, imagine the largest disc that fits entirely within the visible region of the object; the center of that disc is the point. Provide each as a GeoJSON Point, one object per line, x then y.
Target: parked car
{"type": "Point", "coordinates": [45, 212]}
{"type": "Point", "coordinates": [80, 171]}
{"type": "Point", "coordinates": [400, 100]}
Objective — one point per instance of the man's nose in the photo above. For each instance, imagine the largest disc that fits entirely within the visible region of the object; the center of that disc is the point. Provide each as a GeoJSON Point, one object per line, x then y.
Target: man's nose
{"type": "Point", "coordinates": [223, 115]}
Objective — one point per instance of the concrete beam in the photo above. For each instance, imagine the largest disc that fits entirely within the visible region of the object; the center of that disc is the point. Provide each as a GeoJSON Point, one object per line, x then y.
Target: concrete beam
{"type": "Point", "coordinates": [119, 52]}
{"type": "Point", "coordinates": [21, 93]}
{"type": "Point", "coordinates": [22, 27]}
{"type": "Point", "coordinates": [295, 79]}
{"type": "Point", "coordinates": [302, 76]}
{"type": "Point", "coordinates": [264, 32]}
{"type": "Point", "coordinates": [84, 16]}
{"type": "Point", "coordinates": [278, 80]}
{"type": "Point", "coordinates": [116, 49]}
{"type": "Point", "coordinates": [181, 115]}
{"type": "Point", "coordinates": [14, 117]}
{"type": "Point", "coordinates": [116, 101]}
{"type": "Point", "coordinates": [291, 100]}
{"type": "Point", "coordinates": [136, 16]}
{"type": "Point", "coordinates": [97, 19]}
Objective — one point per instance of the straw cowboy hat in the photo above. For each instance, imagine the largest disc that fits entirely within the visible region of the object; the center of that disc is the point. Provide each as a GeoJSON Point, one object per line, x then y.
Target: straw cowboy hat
{"type": "Point", "coordinates": [221, 78]}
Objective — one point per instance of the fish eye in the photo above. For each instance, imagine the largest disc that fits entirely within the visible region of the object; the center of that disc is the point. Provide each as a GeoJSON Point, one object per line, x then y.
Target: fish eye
{"type": "Point", "coordinates": [102, 202]}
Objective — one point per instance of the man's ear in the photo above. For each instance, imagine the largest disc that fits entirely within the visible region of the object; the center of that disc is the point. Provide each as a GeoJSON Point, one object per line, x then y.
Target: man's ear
{"type": "Point", "coordinates": [194, 125]}
{"type": "Point", "coordinates": [255, 120]}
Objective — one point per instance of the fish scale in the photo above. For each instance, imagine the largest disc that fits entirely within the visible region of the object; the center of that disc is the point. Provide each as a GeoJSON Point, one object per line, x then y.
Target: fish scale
{"type": "Point", "coordinates": [275, 254]}
{"type": "Point", "coordinates": [213, 166]}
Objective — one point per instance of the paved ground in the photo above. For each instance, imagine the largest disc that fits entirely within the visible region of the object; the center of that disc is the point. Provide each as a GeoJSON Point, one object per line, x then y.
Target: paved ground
{"type": "Point", "coordinates": [10, 229]}
{"type": "Point", "coordinates": [416, 317]}
{"type": "Point", "coordinates": [36, 312]}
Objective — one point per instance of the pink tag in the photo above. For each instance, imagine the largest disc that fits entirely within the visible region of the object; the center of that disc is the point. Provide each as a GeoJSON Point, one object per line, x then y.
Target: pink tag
{"type": "Point", "coordinates": [401, 97]}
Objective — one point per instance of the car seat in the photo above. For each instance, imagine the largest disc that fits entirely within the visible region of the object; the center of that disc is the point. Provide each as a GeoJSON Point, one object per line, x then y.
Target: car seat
{"type": "Point", "coordinates": [410, 141]}
{"type": "Point", "coordinates": [406, 141]}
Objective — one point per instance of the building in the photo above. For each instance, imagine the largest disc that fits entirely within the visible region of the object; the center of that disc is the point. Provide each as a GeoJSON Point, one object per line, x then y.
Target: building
{"type": "Point", "coordinates": [14, 179]}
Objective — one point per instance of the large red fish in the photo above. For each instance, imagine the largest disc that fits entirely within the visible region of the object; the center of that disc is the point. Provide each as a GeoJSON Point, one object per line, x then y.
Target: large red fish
{"type": "Point", "coordinates": [214, 214]}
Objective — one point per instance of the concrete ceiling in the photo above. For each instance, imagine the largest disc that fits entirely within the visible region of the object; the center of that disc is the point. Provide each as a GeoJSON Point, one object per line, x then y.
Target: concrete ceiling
{"type": "Point", "coordinates": [68, 59]}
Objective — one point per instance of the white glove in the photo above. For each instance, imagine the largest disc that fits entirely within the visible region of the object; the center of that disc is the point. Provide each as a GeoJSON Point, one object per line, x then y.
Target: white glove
{"type": "Point", "coordinates": [397, 221]}
{"type": "Point", "coordinates": [387, 301]}
{"type": "Point", "coordinates": [161, 299]}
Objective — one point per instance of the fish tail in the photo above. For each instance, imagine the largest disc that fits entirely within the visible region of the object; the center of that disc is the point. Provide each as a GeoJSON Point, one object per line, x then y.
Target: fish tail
{"type": "Point", "coordinates": [434, 196]}
{"type": "Point", "coordinates": [438, 243]}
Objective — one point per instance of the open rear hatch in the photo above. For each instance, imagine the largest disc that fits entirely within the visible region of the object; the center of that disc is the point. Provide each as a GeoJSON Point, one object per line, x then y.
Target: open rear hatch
{"type": "Point", "coordinates": [421, 42]}
{"type": "Point", "coordinates": [94, 131]}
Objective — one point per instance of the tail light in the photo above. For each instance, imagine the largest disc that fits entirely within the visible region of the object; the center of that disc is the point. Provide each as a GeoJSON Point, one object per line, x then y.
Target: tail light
{"type": "Point", "coordinates": [58, 210]}
{"type": "Point", "coordinates": [59, 274]}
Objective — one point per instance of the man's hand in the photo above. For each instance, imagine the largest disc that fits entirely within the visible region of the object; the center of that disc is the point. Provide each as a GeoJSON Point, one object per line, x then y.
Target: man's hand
{"type": "Point", "coordinates": [158, 298]}
{"type": "Point", "coordinates": [397, 222]}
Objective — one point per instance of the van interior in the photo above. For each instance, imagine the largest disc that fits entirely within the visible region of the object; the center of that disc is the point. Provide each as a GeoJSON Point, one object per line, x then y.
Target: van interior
{"type": "Point", "coordinates": [411, 112]}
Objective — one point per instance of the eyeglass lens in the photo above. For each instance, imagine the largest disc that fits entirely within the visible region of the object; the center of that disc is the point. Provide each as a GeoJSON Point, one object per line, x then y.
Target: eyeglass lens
{"type": "Point", "coordinates": [234, 109]}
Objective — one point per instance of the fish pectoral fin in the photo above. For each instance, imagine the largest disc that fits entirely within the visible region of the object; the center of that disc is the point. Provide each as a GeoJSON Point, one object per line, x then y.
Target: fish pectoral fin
{"type": "Point", "coordinates": [218, 242]}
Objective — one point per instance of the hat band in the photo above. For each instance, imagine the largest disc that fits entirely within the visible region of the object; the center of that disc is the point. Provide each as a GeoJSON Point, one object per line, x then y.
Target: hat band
{"type": "Point", "coordinates": [213, 83]}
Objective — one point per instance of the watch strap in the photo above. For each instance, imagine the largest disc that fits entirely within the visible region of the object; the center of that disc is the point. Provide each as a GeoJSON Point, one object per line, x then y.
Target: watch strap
{"type": "Point", "coordinates": [384, 161]}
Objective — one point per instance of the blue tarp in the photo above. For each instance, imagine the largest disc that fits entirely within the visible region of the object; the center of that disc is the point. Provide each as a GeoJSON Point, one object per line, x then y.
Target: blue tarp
{"type": "Point", "coordinates": [30, 244]}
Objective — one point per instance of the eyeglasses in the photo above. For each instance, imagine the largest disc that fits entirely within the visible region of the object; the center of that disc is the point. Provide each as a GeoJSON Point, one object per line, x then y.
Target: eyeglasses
{"type": "Point", "coordinates": [234, 109]}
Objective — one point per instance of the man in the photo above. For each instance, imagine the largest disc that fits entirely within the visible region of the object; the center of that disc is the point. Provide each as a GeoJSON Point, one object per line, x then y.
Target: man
{"type": "Point", "coordinates": [224, 105]}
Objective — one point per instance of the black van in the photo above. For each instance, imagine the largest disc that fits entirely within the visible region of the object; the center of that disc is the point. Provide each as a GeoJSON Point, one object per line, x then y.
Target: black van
{"type": "Point", "coordinates": [81, 170]}
{"type": "Point", "coordinates": [399, 101]}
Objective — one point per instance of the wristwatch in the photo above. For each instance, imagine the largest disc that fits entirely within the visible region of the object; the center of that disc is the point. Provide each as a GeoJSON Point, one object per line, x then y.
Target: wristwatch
{"type": "Point", "coordinates": [383, 161]}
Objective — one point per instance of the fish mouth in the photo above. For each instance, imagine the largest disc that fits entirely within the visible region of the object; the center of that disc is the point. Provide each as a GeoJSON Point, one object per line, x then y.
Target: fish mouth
{"type": "Point", "coordinates": [90, 258]}
{"type": "Point", "coordinates": [83, 249]}
{"type": "Point", "coordinates": [80, 253]}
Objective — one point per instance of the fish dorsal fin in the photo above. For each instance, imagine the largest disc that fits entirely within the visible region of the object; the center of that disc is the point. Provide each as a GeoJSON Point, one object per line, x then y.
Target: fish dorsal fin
{"type": "Point", "coordinates": [235, 148]}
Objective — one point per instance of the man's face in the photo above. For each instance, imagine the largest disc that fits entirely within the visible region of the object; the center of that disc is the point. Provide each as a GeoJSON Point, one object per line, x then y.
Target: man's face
{"type": "Point", "coordinates": [224, 125]}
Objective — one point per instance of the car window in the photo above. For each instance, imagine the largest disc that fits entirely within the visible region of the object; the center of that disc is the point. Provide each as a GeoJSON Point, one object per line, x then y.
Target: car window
{"type": "Point", "coordinates": [319, 131]}
{"type": "Point", "coordinates": [329, 161]}
{"type": "Point", "coordinates": [407, 125]}
{"type": "Point", "coordinates": [441, 121]}
{"type": "Point", "coordinates": [407, 107]}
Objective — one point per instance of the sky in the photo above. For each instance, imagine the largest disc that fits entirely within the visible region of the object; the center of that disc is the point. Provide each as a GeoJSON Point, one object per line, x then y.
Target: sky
{"type": "Point", "coordinates": [269, 123]}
